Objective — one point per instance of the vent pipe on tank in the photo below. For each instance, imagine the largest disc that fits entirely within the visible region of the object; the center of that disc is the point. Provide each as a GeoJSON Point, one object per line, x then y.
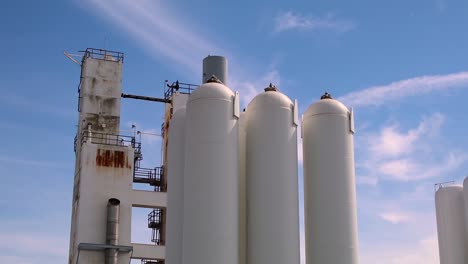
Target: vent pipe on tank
{"type": "Point", "coordinates": [112, 234]}
{"type": "Point", "coordinates": [215, 65]}
{"type": "Point", "coordinates": [271, 88]}
{"type": "Point", "coordinates": [326, 95]}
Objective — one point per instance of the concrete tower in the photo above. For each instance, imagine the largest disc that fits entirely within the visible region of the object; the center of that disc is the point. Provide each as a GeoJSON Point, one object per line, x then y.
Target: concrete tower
{"type": "Point", "coordinates": [103, 196]}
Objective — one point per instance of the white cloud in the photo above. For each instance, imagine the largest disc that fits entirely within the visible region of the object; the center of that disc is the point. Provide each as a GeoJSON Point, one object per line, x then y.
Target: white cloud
{"type": "Point", "coordinates": [379, 95]}
{"type": "Point", "coordinates": [408, 169]}
{"type": "Point", "coordinates": [292, 21]}
{"type": "Point", "coordinates": [424, 251]}
{"type": "Point", "coordinates": [155, 27]}
{"type": "Point", "coordinates": [395, 217]}
{"type": "Point", "coordinates": [251, 88]}
{"type": "Point", "coordinates": [165, 36]}
{"type": "Point", "coordinates": [392, 154]}
{"type": "Point", "coordinates": [391, 142]}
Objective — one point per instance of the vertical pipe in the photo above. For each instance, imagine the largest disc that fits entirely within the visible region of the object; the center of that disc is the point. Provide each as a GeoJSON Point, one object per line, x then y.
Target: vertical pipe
{"type": "Point", "coordinates": [112, 234]}
{"type": "Point", "coordinates": [217, 66]}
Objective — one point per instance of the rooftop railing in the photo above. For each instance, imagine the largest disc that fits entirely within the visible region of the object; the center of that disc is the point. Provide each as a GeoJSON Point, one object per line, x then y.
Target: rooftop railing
{"type": "Point", "coordinates": [101, 54]}
{"type": "Point", "coordinates": [183, 88]}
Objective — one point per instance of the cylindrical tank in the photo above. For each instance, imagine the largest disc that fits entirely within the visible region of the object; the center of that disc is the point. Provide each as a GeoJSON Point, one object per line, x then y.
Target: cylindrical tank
{"type": "Point", "coordinates": [450, 214]}
{"type": "Point", "coordinates": [211, 177]}
{"type": "Point", "coordinates": [242, 189]}
{"type": "Point", "coordinates": [272, 185]}
{"type": "Point", "coordinates": [465, 202]}
{"type": "Point", "coordinates": [329, 184]}
{"type": "Point", "coordinates": [175, 187]}
{"type": "Point", "coordinates": [217, 66]}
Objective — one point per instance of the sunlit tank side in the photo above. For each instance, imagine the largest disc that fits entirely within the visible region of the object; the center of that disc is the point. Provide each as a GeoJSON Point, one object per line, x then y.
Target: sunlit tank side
{"type": "Point", "coordinates": [329, 184]}
{"type": "Point", "coordinates": [465, 202]}
{"type": "Point", "coordinates": [175, 188]}
{"type": "Point", "coordinates": [217, 66]}
{"type": "Point", "coordinates": [450, 215]}
{"type": "Point", "coordinates": [242, 189]}
{"type": "Point", "coordinates": [272, 184]}
{"type": "Point", "coordinates": [211, 184]}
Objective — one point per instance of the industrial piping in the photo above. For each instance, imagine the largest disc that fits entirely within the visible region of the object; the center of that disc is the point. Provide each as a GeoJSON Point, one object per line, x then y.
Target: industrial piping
{"type": "Point", "coordinates": [112, 234]}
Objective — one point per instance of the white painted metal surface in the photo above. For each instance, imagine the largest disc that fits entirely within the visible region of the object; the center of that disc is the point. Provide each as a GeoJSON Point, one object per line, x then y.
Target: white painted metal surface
{"type": "Point", "coordinates": [211, 187]}
{"type": "Point", "coordinates": [272, 185]}
{"type": "Point", "coordinates": [217, 66]}
{"type": "Point", "coordinates": [175, 188]}
{"type": "Point", "coordinates": [242, 189]}
{"type": "Point", "coordinates": [465, 202]}
{"type": "Point", "coordinates": [450, 223]}
{"type": "Point", "coordinates": [329, 185]}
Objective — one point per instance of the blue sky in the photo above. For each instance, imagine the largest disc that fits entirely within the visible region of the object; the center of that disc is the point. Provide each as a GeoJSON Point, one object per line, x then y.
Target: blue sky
{"type": "Point", "coordinates": [402, 65]}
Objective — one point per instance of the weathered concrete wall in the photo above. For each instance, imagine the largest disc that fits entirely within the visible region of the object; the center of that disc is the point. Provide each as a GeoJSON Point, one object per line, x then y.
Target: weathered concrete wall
{"type": "Point", "coordinates": [100, 95]}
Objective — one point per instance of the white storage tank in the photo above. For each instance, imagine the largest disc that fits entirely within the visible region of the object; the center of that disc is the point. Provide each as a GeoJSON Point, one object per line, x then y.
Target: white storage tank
{"type": "Point", "coordinates": [465, 202]}
{"type": "Point", "coordinates": [175, 188]}
{"type": "Point", "coordinates": [329, 184]}
{"type": "Point", "coordinates": [450, 214]}
{"type": "Point", "coordinates": [211, 175]}
{"type": "Point", "coordinates": [242, 189]}
{"type": "Point", "coordinates": [272, 184]}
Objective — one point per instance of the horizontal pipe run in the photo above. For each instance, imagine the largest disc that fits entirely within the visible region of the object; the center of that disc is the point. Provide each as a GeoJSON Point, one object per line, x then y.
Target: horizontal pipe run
{"type": "Point", "coordinates": [146, 98]}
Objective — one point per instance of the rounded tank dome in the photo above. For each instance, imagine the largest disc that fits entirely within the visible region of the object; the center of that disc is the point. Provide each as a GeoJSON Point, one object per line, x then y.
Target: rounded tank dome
{"type": "Point", "coordinates": [327, 105]}
{"type": "Point", "coordinates": [270, 98]}
{"type": "Point", "coordinates": [211, 90]}
{"type": "Point", "coordinates": [449, 188]}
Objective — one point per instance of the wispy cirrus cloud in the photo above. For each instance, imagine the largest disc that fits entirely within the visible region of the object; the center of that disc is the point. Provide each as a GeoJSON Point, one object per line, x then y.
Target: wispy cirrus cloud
{"type": "Point", "coordinates": [289, 20]}
{"type": "Point", "coordinates": [153, 25]}
{"type": "Point", "coordinates": [378, 95]}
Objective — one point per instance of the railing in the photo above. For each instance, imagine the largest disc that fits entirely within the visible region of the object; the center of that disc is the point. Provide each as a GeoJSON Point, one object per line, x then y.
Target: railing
{"type": "Point", "coordinates": [183, 88]}
{"type": "Point", "coordinates": [152, 177]}
{"type": "Point", "coordinates": [110, 139]}
{"type": "Point", "coordinates": [152, 261]}
{"type": "Point", "coordinates": [155, 219]}
{"type": "Point", "coordinates": [439, 185]}
{"type": "Point", "coordinates": [101, 54]}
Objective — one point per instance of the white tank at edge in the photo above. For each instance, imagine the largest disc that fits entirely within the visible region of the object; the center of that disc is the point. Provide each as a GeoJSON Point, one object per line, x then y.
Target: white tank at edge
{"type": "Point", "coordinates": [175, 187]}
{"type": "Point", "coordinates": [450, 214]}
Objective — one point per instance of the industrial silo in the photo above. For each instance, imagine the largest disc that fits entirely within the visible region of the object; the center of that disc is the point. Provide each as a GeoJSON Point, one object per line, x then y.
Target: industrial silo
{"type": "Point", "coordinates": [271, 176]}
{"type": "Point", "coordinates": [175, 187]}
{"type": "Point", "coordinates": [329, 183]}
{"type": "Point", "coordinates": [465, 202]}
{"type": "Point", "coordinates": [242, 189]}
{"type": "Point", "coordinates": [211, 176]}
{"type": "Point", "coordinates": [450, 214]}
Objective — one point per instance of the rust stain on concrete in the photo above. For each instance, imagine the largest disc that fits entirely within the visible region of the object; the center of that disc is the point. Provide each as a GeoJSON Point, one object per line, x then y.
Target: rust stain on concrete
{"type": "Point", "coordinates": [112, 158]}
